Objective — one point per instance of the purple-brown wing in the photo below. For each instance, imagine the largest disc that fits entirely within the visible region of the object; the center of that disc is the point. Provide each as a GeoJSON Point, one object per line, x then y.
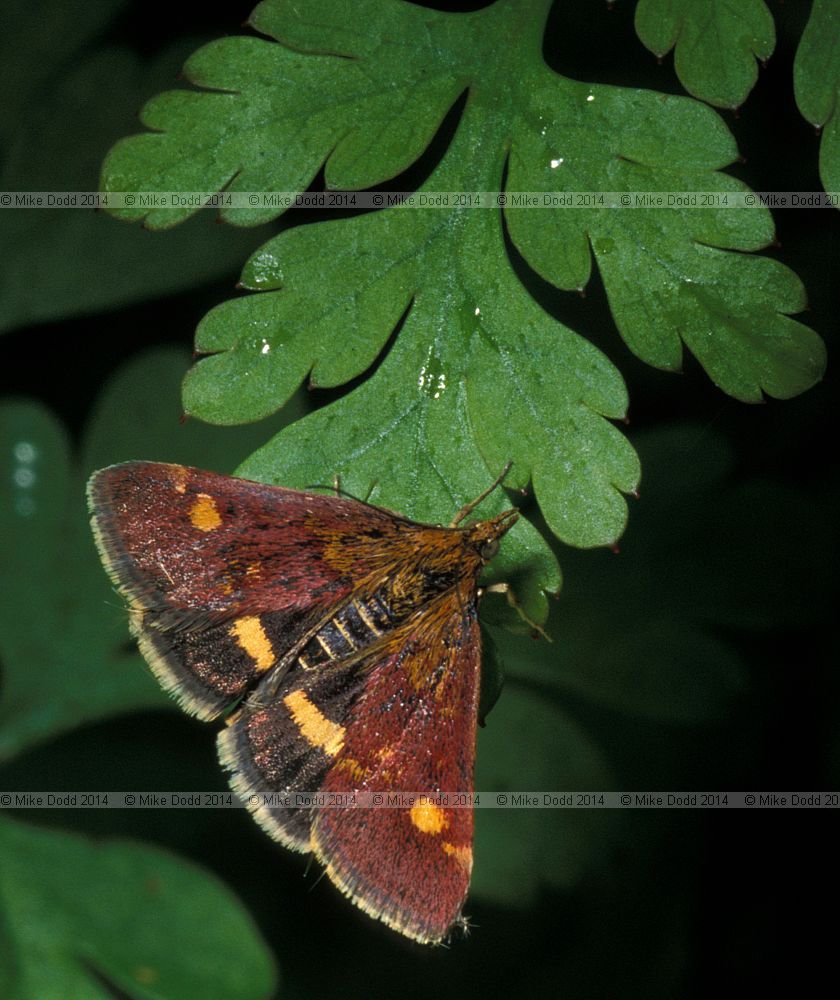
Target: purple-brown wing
{"type": "Point", "coordinates": [224, 576]}
{"type": "Point", "coordinates": [411, 731]}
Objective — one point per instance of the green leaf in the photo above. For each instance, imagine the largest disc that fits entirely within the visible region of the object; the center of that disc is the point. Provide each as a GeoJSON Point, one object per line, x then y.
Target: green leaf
{"type": "Point", "coordinates": [406, 440]}
{"type": "Point", "coordinates": [381, 74]}
{"type": "Point", "coordinates": [443, 413]}
{"type": "Point", "coordinates": [84, 918]}
{"type": "Point", "coordinates": [64, 645]}
{"type": "Point", "coordinates": [668, 273]}
{"type": "Point", "coordinates": [61, 262]}
{"type": "Point", "coordinates": [532, 745]}
{"type": "Point", "coordinates": [561, 137]}
{"type": "Point", "coordinates": [716, 43]}
{"type": "Point", "coordinates": [816, 80]}
{"type": "Point", "coordinates": [478, 374]}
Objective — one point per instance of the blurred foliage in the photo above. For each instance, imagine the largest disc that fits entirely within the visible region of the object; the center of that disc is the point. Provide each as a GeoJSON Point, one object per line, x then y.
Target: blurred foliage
{"type": "Point", "coordinates": [81, 917]}
{"type": "Point", "coordinates": [70, 626]}
{"type": "Point", "coordinates": [707, 556]}
{"type": "Point", "coordinates": [55, 128]}
{"type": "Point", "coordinates": [699, 656]}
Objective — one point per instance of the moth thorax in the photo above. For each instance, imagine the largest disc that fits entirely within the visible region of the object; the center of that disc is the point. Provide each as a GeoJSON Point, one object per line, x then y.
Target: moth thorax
{"type": "Point", "coordinates": [413, 587]}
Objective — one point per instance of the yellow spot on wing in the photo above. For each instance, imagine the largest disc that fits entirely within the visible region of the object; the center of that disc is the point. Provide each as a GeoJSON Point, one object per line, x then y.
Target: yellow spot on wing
{"type": "Point", "coordinates": [463, 855]}
{"type": "Point", "coordinates": [428, 818]}
{"type": "Point", "coordinates": [314, 726]}
{"type": "Point", "coordinates": [251, 636]}
{"type": "Point", "coordinates": [204, 513]}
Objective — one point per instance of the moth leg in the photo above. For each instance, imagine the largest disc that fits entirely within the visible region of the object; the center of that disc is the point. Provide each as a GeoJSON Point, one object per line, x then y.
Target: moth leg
{"type": "Point", "coordinates": [507, 590]}
{"type": "Point", "coordinates": [337, 484]}
{"type": "Point", "coordinates": [265, 694]}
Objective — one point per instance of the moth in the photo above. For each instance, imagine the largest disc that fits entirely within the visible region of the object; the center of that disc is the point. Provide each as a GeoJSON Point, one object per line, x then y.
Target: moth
{"type": "Point", "coordinates": [339, 640]}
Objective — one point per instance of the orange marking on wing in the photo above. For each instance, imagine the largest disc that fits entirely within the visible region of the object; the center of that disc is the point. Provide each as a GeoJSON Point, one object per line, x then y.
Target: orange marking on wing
{"type": "Point", "coordinates": [251, 636]}
{"type": "Point", "coordinates": [204, 513]}
{"type": "Point", "coordinates": [463, 855]}
{"type": "Point", "coordinates": [314, 726]}
{"type": "Point", "coordinates": [429, 818]}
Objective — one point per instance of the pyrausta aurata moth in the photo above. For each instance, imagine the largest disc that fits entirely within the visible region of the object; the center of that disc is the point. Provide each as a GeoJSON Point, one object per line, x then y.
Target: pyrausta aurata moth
{"type": "Point", "coordinates": [345, 636]}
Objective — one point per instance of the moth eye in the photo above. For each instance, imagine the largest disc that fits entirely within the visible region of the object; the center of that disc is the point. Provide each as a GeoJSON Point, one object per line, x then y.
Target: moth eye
{"type": "Point", "coordinates": [488, 549]}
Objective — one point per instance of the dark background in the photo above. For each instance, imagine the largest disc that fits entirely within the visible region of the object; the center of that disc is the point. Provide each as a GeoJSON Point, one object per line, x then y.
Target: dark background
{"type": "Point", "coordinates": [693, 902]}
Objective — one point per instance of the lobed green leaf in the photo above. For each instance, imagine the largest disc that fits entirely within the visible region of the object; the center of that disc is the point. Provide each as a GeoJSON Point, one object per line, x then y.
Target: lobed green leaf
{"type": "Point", "coordinates": [716, 43]}
{"type": "Point", "coordinates": [816, 80]}
{"type": "Point", "coordinates": [477, 375]}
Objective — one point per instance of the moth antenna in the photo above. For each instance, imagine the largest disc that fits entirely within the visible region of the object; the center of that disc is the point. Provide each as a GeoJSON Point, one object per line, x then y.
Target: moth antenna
{"type": "Point", "coordinates": [466, 510]}
{"type": "Point", "coordinates": [373, 486]}
{"type": "Point", "coordinates": [335, 488]}
{"type": "Point", "coordinates": [352, 496]}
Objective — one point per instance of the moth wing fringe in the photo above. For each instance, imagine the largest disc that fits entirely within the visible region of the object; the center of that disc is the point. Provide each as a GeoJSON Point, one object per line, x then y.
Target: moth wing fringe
{"type": "Point", "coordinates": [236, 763]}
{"type": "Point", "coordinates": [194, 700]}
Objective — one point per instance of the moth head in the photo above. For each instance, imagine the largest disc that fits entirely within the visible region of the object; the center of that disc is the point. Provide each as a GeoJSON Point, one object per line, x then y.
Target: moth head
{"type": "Point", "coordinates": [485, 535]}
